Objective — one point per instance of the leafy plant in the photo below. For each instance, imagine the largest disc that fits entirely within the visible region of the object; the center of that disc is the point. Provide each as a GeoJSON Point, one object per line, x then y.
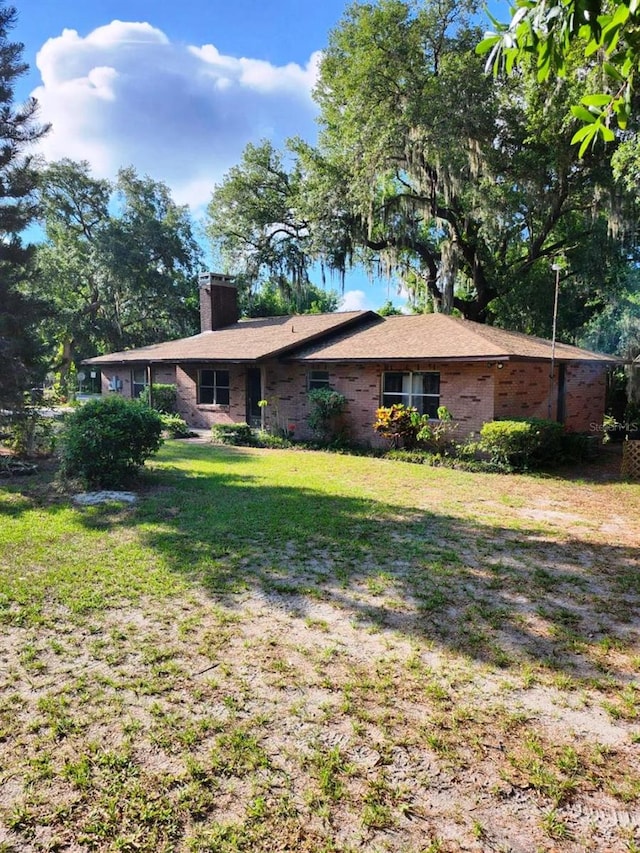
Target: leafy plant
{"type": "Point", "coordinates": [106, 441]}
{"type": "Point", "coordinates": [405, 427]}
{"type": "Point", "coordinates": [326, 406]}
{"type": "Point", "coordinates": [398, 423]}
{"type": "Point", "coordinates": [163, 397]}
{"type": "Point", "coordinates": [528, 443]}
{"type": "Point", "coordinates": [30, 434]}
{"type": "Point", "coordinates": [269, 439]}
{"type": "Point", "coordinates": [175, 425]}
{"type": "Point", "coordinates": [234, 434]}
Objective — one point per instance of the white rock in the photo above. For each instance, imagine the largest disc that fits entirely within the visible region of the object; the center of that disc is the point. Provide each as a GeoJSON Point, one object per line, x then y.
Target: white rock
{"type": "Point", "coordinates": [92, 498]}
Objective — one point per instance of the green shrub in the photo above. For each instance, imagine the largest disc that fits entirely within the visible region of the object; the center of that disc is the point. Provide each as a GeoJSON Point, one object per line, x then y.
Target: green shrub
{"type": "Point", "coordinates": [522, 444]}
{"type": "Point", "coordinates": [163, 397]}
{"type": "Point", "coordinates": [272, 440]}
{"type": "Point", "coordinates": [326, 406]}
{"type": "Point", "coordinates": [105, 442]}
{"type": "Point", "coordinates": [234, 434]}
{"type": "Point", "coordinates": [175, 425]}
{"type": "Point", "coordinates": [417, 457]}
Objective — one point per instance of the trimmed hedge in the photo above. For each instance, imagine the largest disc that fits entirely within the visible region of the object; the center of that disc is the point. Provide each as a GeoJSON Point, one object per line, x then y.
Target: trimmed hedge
{"type": "Point", "coordinates": [239, 435]}
{"type": "Point", "coordinates": [522, 444]}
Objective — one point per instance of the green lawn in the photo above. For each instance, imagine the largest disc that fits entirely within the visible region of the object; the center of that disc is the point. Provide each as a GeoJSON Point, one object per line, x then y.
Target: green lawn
{"type": "Point", "coordinates": [300, 651]}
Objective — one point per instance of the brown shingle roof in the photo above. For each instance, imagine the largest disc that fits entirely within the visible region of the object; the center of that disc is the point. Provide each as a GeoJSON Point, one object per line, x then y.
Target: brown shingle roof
{"type": "Point", "coordinates": [248, 340]}
{"type": "Point", "coordinates": [438, 337]}
{"type": "Point", "coordinates": [353, 336]}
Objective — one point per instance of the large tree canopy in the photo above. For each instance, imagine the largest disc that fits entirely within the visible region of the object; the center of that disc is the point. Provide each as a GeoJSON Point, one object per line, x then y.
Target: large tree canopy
{"type": "Point", "coordinates": [120, 263]}
{"type": "Point", "coordinates": [464, 186]}
{"type": "Point", "coordinates": [260, 231]}
{"type": "Point", "coordinates": [18, 129]}
{"type": "Point", "coordinates": [606, 33]}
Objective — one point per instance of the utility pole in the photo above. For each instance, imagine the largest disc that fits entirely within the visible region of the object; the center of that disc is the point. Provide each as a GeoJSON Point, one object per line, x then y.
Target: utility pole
{"type": "Point", "coordinates": [556, 267]}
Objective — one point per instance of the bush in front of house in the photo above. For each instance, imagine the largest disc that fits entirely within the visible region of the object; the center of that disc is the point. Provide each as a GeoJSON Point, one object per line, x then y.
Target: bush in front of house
{"type": "Point", "coordinates": [271, 440]}
{"type": "Point", "coordinates": [239, 435]}
{"type": "Point", "coordinates": [399, 424]}
{"type": "Point", "coordinates": [326, 406]}
{"type": "Point", "coordinates": [105, 442]}
{"type": "Point", "coordinates": [163, 397]}
{"type": "Point", "coordinates": [175, 426]}
{"type": "Point", "coordinates": [523, 443]}
{"type": "Point", "coordinates": [405, 427]}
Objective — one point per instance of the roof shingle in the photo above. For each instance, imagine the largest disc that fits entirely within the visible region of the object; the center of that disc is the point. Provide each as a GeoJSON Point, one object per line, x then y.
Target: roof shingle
{"type": "Point", "coordinates": [439, 337]}
{"type": "Point", "coordinates": [353, 336]}
{"type": "Point", "coordinates": [247, 340]}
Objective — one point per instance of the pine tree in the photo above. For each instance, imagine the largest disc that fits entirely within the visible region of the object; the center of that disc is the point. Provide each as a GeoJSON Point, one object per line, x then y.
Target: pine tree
{"type": "Point", "coordinates": [18, 179]}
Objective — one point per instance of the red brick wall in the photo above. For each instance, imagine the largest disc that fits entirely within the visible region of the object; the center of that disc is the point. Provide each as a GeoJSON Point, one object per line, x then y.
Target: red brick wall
{"type": "Point", "coordinates": [218, 302]}
{"type": "Point", "coordinates": [164, 374]}
{"type": "Point", "coordinates": [465, 389]}
{"type": "Point", "coordinates": [586, 388]}
{"type": "Point", "coordinates": [523, 390]}
{"type": "Point", "coordinates": [473, 392]}
{"type": "Point", "coordinates": [202, 417]}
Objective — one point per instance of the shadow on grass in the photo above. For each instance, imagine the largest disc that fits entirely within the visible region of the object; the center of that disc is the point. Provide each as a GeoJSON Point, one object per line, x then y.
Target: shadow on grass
{"type": "Point", "coordinates": [499, 594]}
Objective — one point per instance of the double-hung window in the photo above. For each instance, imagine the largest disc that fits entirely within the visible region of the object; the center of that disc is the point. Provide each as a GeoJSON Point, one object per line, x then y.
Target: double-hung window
{"type": "Point", "coordinates": [420, 390]}
{"type": "Point", "coordinates": [213, 387]}
{"type": "Point", "coordinates": [139, 381]}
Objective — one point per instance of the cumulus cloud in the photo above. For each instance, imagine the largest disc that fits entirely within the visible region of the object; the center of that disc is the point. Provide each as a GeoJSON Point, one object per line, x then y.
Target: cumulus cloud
{"type": "Point", "coordinates": [355, 300]}
{"type": "Point", "coordinates": [126, 95]}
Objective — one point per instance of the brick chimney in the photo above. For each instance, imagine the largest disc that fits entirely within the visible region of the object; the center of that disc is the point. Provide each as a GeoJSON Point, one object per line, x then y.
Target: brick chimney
{"type": "Point", "coordinates": [218, 301]}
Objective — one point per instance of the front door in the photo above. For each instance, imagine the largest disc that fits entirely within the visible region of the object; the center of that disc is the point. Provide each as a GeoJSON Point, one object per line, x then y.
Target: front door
{"type": "Point", "coordinates": [254, 395]}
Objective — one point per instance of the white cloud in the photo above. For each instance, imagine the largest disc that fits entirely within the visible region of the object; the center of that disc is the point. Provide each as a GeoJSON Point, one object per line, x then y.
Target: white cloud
{"type": "Point", "coordinates": [355, 300]}
{"type": "Point", "coordinates": [126, 95]}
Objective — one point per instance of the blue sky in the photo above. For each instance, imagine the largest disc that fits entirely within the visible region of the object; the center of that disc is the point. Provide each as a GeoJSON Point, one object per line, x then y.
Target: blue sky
{"type": "Point", "coordinates": [177, 89]}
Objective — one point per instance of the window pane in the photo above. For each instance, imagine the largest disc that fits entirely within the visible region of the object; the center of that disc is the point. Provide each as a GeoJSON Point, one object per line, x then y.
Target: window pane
{"type": "Point", "coordinates": [431, 383]}
{"type": "Point", "coordinates": [222, 396]}
{"type": "Point", "coordinates": [140, 376]}
{"type": "Point", "coordinates": [393, 383]}
{"type": "Point", "coordinates": [207, 377]}
{"type": "Point", "coordinates": [427, 406]}
{"type": "Point", "coordinates": [222, 378]}
{"type": "Point", "coordinates": [205, 395]}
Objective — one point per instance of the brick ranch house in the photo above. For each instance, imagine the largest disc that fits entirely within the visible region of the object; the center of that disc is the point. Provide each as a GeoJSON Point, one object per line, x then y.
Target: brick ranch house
{"type": "Point", "coordinates": [478, 372]}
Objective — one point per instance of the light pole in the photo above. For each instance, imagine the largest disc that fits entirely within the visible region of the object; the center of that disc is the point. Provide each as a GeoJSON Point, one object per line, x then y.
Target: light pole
{"type": "Point", "coordinates": [556, 267]}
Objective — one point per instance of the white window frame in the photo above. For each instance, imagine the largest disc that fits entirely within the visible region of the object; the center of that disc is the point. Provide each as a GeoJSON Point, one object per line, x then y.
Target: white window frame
{"type": "Point", "coordinates": [411, 397]}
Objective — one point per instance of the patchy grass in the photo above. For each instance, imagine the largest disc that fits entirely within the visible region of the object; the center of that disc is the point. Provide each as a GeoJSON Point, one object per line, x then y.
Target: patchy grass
{"type": "Point", "coordinates": [284, 650]}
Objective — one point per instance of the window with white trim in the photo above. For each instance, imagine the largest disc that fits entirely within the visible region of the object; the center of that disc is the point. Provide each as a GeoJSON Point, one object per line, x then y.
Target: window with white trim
{"type": "Point", "coordinates": [420, 390]}
{"type": "Point", "coordinates": [139, 381]}
{"type": "Point", "coordinates": [213, 387]}
{"type": "Point", "coordinates": [318, 379]}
